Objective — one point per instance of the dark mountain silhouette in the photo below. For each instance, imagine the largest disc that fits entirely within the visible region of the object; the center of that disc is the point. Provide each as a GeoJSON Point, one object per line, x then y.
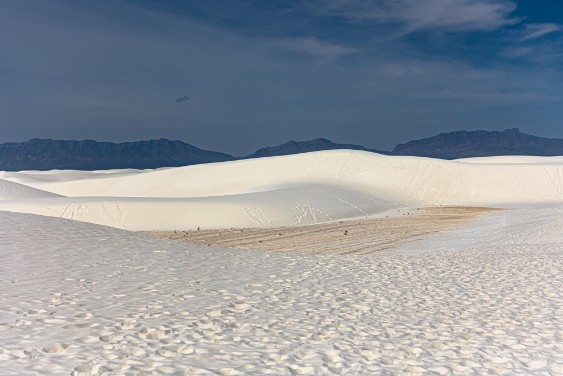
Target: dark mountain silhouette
{"type": "Point", "coordinates": [296, 147]}
{"type": "Point", "coordinates": [465, 144]}
{"type": "Point", "coordinates": [38, 154]}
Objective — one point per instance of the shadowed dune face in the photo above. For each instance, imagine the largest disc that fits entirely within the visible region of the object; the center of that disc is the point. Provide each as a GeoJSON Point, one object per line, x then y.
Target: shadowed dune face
{"type": "Point", "coordinates": [15, 191]}
{"type": "Point", "coordinates": [342, 237]}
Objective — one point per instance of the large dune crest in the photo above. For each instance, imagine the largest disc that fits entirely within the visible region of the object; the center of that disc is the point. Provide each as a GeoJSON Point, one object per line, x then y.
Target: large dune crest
{"type": "Point", "coordinates": [284, 191]}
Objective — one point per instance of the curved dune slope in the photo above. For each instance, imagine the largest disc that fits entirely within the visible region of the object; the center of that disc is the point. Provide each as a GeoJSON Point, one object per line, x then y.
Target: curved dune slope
{"type": "Point", "coordinates": [288, 190]}
{"type": "Point", "coordinates": [14, 191]}
{"type": "Point", "coordinates": [514, 159]}
{"type": "Point", "coordinates": [284, 207]}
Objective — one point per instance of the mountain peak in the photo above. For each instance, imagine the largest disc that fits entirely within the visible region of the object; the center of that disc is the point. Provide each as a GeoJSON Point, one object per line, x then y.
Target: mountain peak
{"type": "Point", "coordinates": [480, 143]}
{"type": "Point", "coordinates": [295, 147]}
{"type": "Point", "coordinates": [48, 154]}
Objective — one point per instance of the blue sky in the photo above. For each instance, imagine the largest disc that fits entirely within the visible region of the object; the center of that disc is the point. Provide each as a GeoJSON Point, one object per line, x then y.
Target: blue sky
{"type": "Point", "coordinates": [371, 72]}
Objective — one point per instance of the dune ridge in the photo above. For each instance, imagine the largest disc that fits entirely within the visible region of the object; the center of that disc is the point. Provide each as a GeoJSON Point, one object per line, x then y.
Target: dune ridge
{"type": "Point", "coordinates": [290, 190]}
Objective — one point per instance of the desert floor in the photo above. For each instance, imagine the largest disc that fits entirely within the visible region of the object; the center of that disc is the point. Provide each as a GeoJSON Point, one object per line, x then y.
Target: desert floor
{"type": "Point", "coordinates": [340, 237]}
{"type": "Point", "coordinates": [484, 297]}
{"type": "Point", "coordinates": [298, 286]}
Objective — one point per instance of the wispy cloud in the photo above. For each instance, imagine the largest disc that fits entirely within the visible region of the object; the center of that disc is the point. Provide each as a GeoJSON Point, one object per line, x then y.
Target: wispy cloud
{"type": "Point", "coordinates": [529, 43]}
{"type": "Point", "coordinates": [518, 51]}
{"type": "Point", "coordinates": [315, 47]}
{"type": "Point", "coordinates": [412, 15]}
{"type": "Point", "coordinates": [538, 30]}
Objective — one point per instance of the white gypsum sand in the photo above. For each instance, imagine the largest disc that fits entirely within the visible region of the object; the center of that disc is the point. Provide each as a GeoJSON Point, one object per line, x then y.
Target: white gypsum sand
{"type": "Point", "coordinates": [483, 297]}
{"type": "Point", "coordinates": [14, 191]}
{"type": "Point", "coordinates": [290, 190]}
{"type": "Point", "coordinates": [84, 299]}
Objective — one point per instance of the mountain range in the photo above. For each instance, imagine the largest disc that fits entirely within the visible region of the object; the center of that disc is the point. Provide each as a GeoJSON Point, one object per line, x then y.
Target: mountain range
{"type": "Point", "coordinates": [296, 147]}
{"type": "Point", "coordinates": [38, 154]}
{"type": "Point", "coordinates": [464, 144]}
{"type": "Point", "coordinates": [47, 154]}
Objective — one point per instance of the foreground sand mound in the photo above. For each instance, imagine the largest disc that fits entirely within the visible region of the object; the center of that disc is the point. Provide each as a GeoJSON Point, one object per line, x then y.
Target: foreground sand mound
{"type": "Point", "coordinates": [82, 299]}
{"type": "Point", "coordinates": [286, 191]}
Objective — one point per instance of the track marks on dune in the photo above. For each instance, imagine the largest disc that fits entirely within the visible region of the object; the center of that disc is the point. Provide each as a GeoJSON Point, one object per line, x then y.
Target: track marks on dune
{"type": "Point", "coordinates": [74, 210]}
{"type": "Point", "coordinates": [344, 237]}
{"type": "Point", "coordinates": [305, 210]}
{"type": "Point", "coordinates": [256, 215]}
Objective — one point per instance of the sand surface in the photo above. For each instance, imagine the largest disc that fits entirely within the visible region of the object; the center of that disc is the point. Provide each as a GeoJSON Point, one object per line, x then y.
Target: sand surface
{"type": "Point", "coordinates": [478, 292]}
{"type": "Point", "coordinates": [82, 299]}
{"type": "Point", "coordinates": [341, 237]}
{"type": "Point", "coordinates": [293, 190]}
{"type": "Point", "coordinates": [15, 191]}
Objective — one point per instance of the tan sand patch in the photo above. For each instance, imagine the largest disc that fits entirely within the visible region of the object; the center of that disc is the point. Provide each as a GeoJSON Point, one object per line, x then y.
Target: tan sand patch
{"type": "Point", "coordinates": [343, 237]}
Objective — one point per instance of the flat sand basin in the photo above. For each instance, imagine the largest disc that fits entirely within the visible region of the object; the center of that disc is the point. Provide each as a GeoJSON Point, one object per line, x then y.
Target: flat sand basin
{"type": "Point", "coordinates": [344, 237]}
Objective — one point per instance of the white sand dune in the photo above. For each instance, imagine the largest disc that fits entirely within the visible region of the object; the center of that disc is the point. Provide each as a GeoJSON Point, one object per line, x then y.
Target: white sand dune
{"type": "Point", "coordinates": [513, 159]}
{"type": "Point", "coordinates": [289, 190]}
{"type": "Point", "coordinates": [36, 177]}
{"type": "Point", "coordinates": [14, 191]}
{"type": "Point", "coordinates": [82, 299]}
{"type": "Point", "coordinates": [287, 206]}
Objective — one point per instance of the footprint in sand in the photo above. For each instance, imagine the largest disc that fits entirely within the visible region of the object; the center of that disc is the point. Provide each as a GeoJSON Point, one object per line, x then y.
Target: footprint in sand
{"type": "Point", "coordinates": [35, 312]}
{"type": "Point", "coordinates": [22, 323]}
{"type": "Point", "coordinates": [170, 352]}
{"type": "Point", "coordinates": [127, 324]}
{"type": "Point", "coordinates": [84, 315]}
{"type": "Point", "coordinates": [56, 348]}
{"type": "Point", "coordinates": [86, 369]}
{"type": "Point", "coordinates": [154, 334]}
{"type": "Point", "coordinates": [110, 338]}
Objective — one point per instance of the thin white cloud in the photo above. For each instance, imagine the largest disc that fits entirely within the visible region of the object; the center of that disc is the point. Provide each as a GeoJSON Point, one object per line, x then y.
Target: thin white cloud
{"type": "Point", "coordinates": [412, 15]}
{"type": "Point", "coordinates": [538, 30]}
{"type": "Point", "coordinates": [315, 47]}
{"type": "Point", "coordinates": [519, 51]}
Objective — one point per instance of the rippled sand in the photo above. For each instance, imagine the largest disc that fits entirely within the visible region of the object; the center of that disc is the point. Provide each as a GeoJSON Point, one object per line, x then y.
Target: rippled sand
{"type": "Point", "coordinates": [81, 299]}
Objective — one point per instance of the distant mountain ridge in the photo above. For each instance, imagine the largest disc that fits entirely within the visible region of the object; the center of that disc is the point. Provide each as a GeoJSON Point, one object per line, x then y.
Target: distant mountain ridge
{"type": "Point", "coordinates": [47, 154]}
{"type": "Point", "coordinates": [467, 144]}
{"type": "Point", "coordinates": [296, 147]}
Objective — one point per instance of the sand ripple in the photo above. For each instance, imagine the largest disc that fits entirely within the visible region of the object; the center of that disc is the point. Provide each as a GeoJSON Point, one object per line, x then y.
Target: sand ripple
{"type": "Point", "coordinates": [80, 299]}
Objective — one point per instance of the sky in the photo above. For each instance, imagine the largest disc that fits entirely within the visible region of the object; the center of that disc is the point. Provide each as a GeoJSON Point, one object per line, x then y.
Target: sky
{"type": "Point", "coordinates": [235, 76]}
